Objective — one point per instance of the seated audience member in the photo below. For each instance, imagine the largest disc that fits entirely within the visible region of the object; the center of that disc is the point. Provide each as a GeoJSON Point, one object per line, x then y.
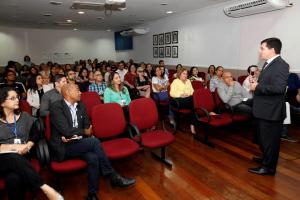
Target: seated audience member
{"type": "Point", "coordinates": [71, 76]}
{"type": "Point", "coordinates": [253, 74]}
{"type": "Point", "coordinates": [68, 67]}
{"type": "Point", "coordinates": [99, 86]}
{"type": "Point", "coordinates": [27, 61]}
{"type": "Point", "coordinates": [115, 91]}
{"type": "Point", "coordinates": [91, 77]}
{"type": "Point", "coordinates": [211, 72]}
{"type": "Point", "coordinates": [233, 94]}
{"type": "Point", "coordinates": [129, 82]}
{"type": "Point", "coordinates": [159, 85]}
{"type": "Point", "coordinates": [44, 69]}
{"type": "Point", "coordinates": [35, 92]}
{"type": "Point", "coordinates": [107, 73]}
{"type": "Point", "coordinates": [142, 83]}
{"type": "Point", "coordinates": [18, 133]}
{"type": "Point", "coordinates": [178, 68]}
{"type": "Point", "coordinates": [33, 71]}
{"type": "Point", "coordinates": [214, 81]}
{"type": "Point", "coordinates": [194, 75]}
{"type": "Point", "coordinates": [10, 81]}
{"type": "Point", "coordinates": [164, 70]}
{"type": "Point", "coordinates": [182, 91]}
{"type": "Point", "coordinates": [52, 95]}
{"type": "Point", "coordinates": [47, 81]}
{"type": "Point", "coordinates": [83, 79]}
{"type": "Point", "coordinates": [121, 71]}
{"type": "Point", "coordinates": [149, 71]}
{"type": "Point", "coordinates": [72, 137]}
{"type": "Point", "coordinates": [293, 91]}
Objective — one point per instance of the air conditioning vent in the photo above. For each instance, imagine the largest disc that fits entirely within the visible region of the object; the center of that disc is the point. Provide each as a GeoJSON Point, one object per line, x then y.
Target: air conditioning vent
{"type": "Point", "coordinates": [250, 7]}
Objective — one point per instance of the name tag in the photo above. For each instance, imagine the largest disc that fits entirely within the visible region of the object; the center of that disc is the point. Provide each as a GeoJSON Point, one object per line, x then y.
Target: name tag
{"type": "Point", "coordinates": [17, 141]}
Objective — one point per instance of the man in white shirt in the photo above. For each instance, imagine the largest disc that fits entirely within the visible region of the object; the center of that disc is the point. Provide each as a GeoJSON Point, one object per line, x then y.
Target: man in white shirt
{"type": "Point", "coordinates": [121, 71]}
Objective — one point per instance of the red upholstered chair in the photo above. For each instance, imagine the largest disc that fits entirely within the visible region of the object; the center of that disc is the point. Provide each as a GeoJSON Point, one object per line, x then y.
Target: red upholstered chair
{"type": "Point", "coordinates": [67, 166]}
{"type": "Point", "coordinates": [109, 122]}
{"type": "Point", "coordinates": [197, 85]}
{"type": "Point", "coordinates": [90, 99]}
{"type": "Point", "coordinates": [241, 79]}
{"type": "Point", "coordinates": [143, 116]}
{"type": "Point", "coordinates": [203, 105]}
{"type": "Point", "coordinates": [227, 109]}
{"type": "Point", "coordinates": [25, 107]}
{"type": "Point", "coordinates": [202, 75]}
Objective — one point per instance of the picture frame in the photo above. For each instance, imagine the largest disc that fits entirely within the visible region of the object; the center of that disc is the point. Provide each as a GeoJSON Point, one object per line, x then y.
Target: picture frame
{"type": "Point", "coordinates": [174, 37]}
{"type": "Point", "coordinates": [161, 39]}
{"type": "Point", "coordinates": [155, 52]}
{"type": "Point", "coordinates": [155, 40]}
{"type": "Point", "coordinates": [174, 51]}
{"type": "Point", "coordinates": [161, 52]}
{"type": "Point", "coordinates": [168, 38]}
{"type": "Point", "coordinates": [168, 51]}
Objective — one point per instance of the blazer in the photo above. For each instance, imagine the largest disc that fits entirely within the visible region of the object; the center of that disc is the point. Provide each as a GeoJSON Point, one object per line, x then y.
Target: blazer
{"type": "Point", "coordinates": [269, 95]}
{"type": "Point", "coordinates": [62, 125]}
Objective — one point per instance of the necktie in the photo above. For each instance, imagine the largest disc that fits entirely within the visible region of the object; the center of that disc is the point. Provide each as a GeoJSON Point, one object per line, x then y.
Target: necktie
{"type": "Point", "coordinates": [264, 66]}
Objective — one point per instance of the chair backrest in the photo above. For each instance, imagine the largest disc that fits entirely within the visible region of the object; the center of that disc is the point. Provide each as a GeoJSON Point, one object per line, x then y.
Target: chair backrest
{"type": "Point", "coordinates": [108, 120]}
{"type": "Point", "coordinates": [241, 79]}
{"type": "Point", "coordinates": [203, 99]}
{"type": "Point", "coordinates": [89, 100]}
{"type": "Point", "coordinates": [25, 107]}
{"type": "Point", "coordinates": [197, 85]}
{"type": "Point", "coordinates": [143, 113]}
{"type": "Point", "coordinates": [47, 127]}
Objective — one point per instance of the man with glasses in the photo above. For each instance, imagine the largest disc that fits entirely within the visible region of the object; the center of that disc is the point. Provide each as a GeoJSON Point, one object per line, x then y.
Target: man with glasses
{"type": "Point", "coordinates": [99, 86]}
{"type": "Point", "coordinates": [10, 81]}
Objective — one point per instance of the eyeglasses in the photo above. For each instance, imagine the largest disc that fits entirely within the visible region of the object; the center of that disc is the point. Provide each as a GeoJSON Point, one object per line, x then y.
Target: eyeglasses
{"type": "Point", "coordinates": [13, 98]}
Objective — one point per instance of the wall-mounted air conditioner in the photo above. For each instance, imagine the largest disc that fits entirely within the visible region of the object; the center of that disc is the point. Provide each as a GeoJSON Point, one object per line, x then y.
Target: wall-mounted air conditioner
{"type": "Point", "coordinates": [249, 7]}
{"type": "Point", "coordinates": [135, 32]}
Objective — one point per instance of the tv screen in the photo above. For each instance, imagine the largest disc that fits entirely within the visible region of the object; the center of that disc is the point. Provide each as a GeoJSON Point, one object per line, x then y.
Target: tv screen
{"type": "Point", "coordinates": [122, 42]}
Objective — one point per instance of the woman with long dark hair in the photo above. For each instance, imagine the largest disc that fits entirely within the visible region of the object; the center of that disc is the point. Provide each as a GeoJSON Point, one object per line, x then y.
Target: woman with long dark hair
{"type": "Point", "coordinates": [17, 136]}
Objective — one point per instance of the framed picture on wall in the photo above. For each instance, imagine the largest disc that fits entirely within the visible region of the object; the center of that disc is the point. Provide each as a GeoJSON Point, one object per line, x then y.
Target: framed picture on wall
{"type": "Point", "coordinates": [155, 52]}
{"type": "Point", "coordinates": [161, 52]}
{"type": "Point", "coordinates": [161, 39]}
{"type": "Point", "coordinates": [155, 39]}
{"type": "Point", "coordinates": [168, 51]}
{"type": "Point", "coordinates": [168, 38]}
{"type": "Point", "coordinates": [174, 51]}
{"type": "Point", "coordinates": [174, 37]}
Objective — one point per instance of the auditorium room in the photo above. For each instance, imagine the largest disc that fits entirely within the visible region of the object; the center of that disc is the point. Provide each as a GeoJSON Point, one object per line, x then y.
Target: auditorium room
{"type": "Point", "coordinates": [149, 100]}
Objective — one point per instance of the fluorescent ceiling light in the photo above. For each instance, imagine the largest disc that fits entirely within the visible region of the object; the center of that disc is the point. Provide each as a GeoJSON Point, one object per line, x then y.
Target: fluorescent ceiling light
{"type": "Point", "coordinates": [169, 12]}
{"type": "Point", "coordinates": [81, 12]}
{"type": "Point", "coordinates": [69, 20]}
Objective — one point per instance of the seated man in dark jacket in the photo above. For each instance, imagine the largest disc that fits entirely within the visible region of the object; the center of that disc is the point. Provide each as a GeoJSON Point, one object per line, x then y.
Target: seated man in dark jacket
{"type": "Point", "coordinates": [71, 136]}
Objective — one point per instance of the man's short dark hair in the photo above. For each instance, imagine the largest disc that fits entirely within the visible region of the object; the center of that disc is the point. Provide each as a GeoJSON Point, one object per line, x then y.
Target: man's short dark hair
{"type": "Point", "coordinates": [248, 70]}
{"type": "Point", "coordinates": [58, 77]}
{"type": "Point", "coordinates": [273, 43]}
{"type": "Point", "coordinates": [161, 61]}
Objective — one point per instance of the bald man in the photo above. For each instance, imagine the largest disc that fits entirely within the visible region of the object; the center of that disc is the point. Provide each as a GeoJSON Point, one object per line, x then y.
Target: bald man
{"type": "Point", "coordinates": [71, 137]}
{"type": "Point", "coordinates": [233, 94]}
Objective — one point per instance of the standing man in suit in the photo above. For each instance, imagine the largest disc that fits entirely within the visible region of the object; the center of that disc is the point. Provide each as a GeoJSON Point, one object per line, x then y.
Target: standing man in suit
{"type": "Point", "coordinates": [269, 104]}
{"type": "Point", "coordinates": [71, 137]}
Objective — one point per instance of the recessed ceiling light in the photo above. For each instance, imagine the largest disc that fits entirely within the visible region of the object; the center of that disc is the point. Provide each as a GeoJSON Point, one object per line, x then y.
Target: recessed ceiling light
{"type": "Point", "coordinates": [163, 4]}
{"type": "Point", "coordinates": [56, 3]}
{"type": "Point", "coordinates": [169, 12]}
{"type": "Point", "coordinates": [47, 14]}
{"type": "Point", "coordinates": [69, 20]}
{"type": "Point", "coordinates": [81, 12]}
{"type": "Point", "coordinates": [108, 30]}
{"type": "Point", "coordinates": [75, 29]}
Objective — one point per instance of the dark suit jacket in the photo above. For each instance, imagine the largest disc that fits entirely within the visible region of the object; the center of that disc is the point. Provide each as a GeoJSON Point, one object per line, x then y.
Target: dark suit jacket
{"type": "Point", "coordinates": [269, 95]}
{"type": "Point", "coordinates": [61, 125]}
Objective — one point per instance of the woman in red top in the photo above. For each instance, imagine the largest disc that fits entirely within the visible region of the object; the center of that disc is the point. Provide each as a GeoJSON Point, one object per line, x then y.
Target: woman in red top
{"type": "Point", "coordinates": [129, 81]}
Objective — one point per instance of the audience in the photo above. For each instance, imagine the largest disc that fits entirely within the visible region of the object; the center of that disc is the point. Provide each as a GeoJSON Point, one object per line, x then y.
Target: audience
{"type": "Point", "coordinates": [130, 82]}
{"type": "Point", "coordinates": [178, 68]}
{"type": "Point", "coordinates": [16, 169]}
{"type": "Point", "coordinates": [142, 83]}
{"type": "Point", "coordinates": [10, 81]}
{"type": "Point", "coordinates": [72, 137]}
{"type": "Point", "coordinates": [99, 85]}
{"type": "Point", "coordinates": [149, 71]}
{"type": "Point", "coordinates": [82, 79]}
{"type": "Point", "coordinates": [253, 74]}
{"type": "Point", "coordinates": [194, 75]}
{"type": "Point", "coordinates": [121, 71]}
{"type": "Point", "coordinates": [214, 81]}
{"type": "Point", "coordinates": [107, 73]}
{"type": "Point", "coordinates": [159, 85]}
{"type": "Point", "coordinates": [211, 72]}
{"type": "Point", "coordinates": [71, 76]}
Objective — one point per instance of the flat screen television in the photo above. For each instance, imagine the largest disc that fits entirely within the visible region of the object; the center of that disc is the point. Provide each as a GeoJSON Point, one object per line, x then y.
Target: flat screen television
{"type": "Point", "coordinates": [123, 42]}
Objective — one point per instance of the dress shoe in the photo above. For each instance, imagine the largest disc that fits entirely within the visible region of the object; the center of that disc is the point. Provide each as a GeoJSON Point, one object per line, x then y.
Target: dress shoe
{"type": "Point", "coordinates": [258, 160]}
{"type": "Point", "coordinates": [117, 180]}
{"type": "Point", "coordinates": [92, 196]}
{"type": "Point", "coordinates": [261, 171]}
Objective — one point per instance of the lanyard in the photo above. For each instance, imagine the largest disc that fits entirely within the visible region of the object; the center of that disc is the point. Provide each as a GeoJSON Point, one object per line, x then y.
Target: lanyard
{"type": "Point", "coordinates": [14, 128]}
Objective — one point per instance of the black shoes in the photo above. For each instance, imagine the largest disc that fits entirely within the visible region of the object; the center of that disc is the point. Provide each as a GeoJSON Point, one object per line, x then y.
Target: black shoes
{"type": "Point", "coordinates": [258, 160]}
{"type": "Point", "coordinates": [117, 180]}
{"type": "Point", "coordinates": [92, 196]}
{"type": "Point", "coordinates": [262, 171]}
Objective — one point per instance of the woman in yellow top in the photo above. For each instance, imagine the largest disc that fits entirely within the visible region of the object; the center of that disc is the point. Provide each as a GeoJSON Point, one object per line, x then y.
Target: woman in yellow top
{"type": "Point", "coordinates": [182, 93]}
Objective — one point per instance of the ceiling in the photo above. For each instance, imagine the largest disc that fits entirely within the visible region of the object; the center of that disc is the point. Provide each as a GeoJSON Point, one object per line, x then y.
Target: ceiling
{"type": "Point", "coordinates": [30, 13]}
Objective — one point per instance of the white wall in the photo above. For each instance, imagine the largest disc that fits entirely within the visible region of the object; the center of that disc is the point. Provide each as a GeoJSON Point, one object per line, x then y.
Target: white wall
{"type": "Point", "coordinates": [207, 37]}
{"type": "Point", "coordinates": [43, 45]}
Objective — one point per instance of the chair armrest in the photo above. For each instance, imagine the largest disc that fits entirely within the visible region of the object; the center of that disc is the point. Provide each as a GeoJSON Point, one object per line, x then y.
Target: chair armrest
{"type": "Point", "coordinates": [42, 152]}
{"type": "Point", "coordinates": [133, 130]}
{"type": "Point", "coordinates": [204, 111]}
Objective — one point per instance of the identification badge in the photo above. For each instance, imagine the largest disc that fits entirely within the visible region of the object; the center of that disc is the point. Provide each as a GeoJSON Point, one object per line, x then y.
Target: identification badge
{"type": "Point", "coordinates": [17, 141]}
